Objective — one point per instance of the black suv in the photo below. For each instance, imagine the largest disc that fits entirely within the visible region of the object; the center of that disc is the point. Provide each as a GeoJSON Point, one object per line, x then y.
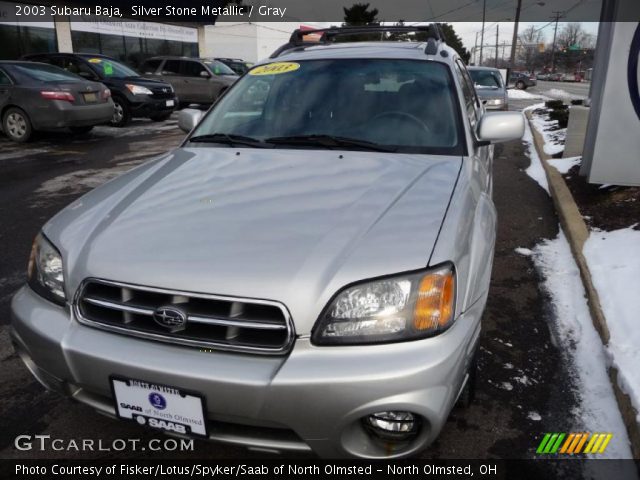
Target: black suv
{"type": "Point", "coordinates": [133, 95]}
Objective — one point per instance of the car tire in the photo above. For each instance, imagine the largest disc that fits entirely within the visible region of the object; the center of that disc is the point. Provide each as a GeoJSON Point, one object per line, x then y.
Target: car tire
{"type": "Point", "coordinates": [16, 125]}
{"type": "Point", "coordinates": [81, 130]}
{"type": "Point", "coordinates": [520, 85]}
{"type": "Point", "coordinates": [468, 394]}
{"type": "Point", "coordinates": [160, 117]}
{"type": "Point", "coordinates": [121, 112]}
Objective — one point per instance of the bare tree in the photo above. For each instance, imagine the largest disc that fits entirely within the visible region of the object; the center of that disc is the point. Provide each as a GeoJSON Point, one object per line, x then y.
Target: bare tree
{"type": "Point", "coordinates": [529, 54]}
{"type": "Point", "coordinates": [572, 34]}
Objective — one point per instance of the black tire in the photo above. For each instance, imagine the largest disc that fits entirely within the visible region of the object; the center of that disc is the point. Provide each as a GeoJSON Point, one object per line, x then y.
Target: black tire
{"type": "Point", "coordinates": [520, 85]}
{"type": "Point", "coordinates": [121, 114]}
{"type": "Point", "coordinates": [81, 130]}
{"type": "Point", "coordinates": [16, 125]}
{"type": "Point", "coordinates": [468, 394]}
{"type": "Point", "coordinates": [161, 117]}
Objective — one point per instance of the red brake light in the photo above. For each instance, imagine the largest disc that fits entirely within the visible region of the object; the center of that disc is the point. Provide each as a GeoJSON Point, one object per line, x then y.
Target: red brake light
{"type": "Point", "coordinates": [106, 93]}
{"type": "Point", "coordinates": [53, 95]}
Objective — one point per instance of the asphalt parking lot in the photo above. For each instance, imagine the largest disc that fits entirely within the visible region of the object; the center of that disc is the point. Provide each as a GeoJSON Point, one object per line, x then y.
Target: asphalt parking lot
{"type": "Point", "coordinates": [524, 390]}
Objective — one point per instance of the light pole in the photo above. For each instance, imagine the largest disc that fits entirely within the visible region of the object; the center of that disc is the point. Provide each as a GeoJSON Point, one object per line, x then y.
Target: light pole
{"type": "Point", "coordinates": [484, 14]}
{"type": "Point", "coordinates": [514, 40]}
{"type": "Point", "coordinates": [557, 16]}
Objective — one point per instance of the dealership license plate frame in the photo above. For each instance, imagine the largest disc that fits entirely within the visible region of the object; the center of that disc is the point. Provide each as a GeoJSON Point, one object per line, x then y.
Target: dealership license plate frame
{"type": "Point", "coordinates": [182, 391]}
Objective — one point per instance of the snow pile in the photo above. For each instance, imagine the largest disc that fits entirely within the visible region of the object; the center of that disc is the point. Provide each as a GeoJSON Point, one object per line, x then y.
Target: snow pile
{"type": "Point", "coordinates": [614, 263]}
{"type": "Point", "coordinates": [535, 169]}
{"type": "Point", "coordinates": [553, 139]}
{"type": "Point", "coordinates": [523, 95]}
{"type": "Point", "coordinates": [579, 341]}
{"type": "Point", "coordinates": [563, 165]}
{"type": "Point", "coordinates": [563, 94]}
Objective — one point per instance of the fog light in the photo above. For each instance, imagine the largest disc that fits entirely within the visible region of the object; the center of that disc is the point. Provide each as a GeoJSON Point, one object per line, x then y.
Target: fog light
{"type": "Point", "coordinates": [396, 426]}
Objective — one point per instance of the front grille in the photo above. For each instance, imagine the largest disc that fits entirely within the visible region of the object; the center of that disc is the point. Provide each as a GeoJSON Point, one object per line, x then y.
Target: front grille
{"type": "Point", "coordinates": [217, 322]}
{"type": "Point", "coordinates": [162, 92]}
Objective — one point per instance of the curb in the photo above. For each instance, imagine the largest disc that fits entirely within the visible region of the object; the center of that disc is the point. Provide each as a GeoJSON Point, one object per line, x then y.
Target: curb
{"type": "Point", "coordinates": [576, 231]}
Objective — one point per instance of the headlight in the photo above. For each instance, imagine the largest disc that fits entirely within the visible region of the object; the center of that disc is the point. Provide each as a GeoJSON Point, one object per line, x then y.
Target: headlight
{"type": "Point", "coordinates": [45, 270]}
{"type": "Point", "coordinates": [495, 101]}
{"type": "Point", "coordinates": [394, 309]}
{"type": "Point", "coordinates": [138, 90]}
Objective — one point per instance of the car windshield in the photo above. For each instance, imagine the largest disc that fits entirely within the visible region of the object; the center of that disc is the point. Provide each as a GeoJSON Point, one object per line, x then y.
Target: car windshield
{"type": "Point", "coordinates": [46, 73]}
{"type": "Point", "coordinates": [109, 68]}
{"type": "Point", "coordinates": [398, 105]}
{"type": "Point", "coordinates": [218, 68]}
{"type": "Point", "coordinates": [486, 78]}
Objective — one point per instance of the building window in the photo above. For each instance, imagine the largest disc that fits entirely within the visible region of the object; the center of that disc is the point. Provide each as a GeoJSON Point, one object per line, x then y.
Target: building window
{"type": "Point", "coordinates": [17, 40]}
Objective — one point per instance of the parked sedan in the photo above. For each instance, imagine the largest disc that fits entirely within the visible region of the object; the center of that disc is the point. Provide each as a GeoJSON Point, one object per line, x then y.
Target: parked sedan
{"type": "Point", "coordinates": [490, 87]}
{"type": "Point", "coordinates": [37, 96]}
{"type": "Point", "coordinates": [196, 80]}
{"type": "Point", "coordinates": [133, 95]}
{"type": "Point", "coordinates": [522, 80]}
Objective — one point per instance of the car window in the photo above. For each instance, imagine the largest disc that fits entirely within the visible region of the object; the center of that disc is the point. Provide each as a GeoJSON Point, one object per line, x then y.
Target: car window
{"type": "Point", "coordinates": [192, 69]}
{"type": "Point", "coordinates": [150, 66]}
{"type": "Point", "coordinates": [44, 73]}
{"type": "Point", "coordinates": [219, 68]}
{"type": "Point", "coordinates": [171, 67]}
{"type": "Point", "coordinates": [467, 92]}
{"type": "Point", "coordinates": [486, 78]}
{"type": "Point", "coordinates": [109, 68]}
{"type": "Point", "coordinates": [409, 105]}
{"type": "Point", "coordinates": [4, 79]}
{"type": "Point", "coordinates": [78, 67]}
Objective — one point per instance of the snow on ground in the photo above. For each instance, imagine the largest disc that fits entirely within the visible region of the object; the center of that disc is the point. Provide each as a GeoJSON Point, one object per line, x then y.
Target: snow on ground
{"type": "Point", "coordinates": [524, 95]}
{"type": "Point", "coordinates": [535, 170]}
{"type": "Point", "coordinates": [614, 262]}
{"type": "Point", "coordinates": [563, 165]}
{"type": "Point", "coordinates": [553, 139]}
{"type": "Point", "coordinates": [581, 345]}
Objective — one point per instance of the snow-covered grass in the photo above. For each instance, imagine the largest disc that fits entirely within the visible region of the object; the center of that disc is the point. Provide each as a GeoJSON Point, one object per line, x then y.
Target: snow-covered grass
{"type": "Point", "coordinates": [535, 169]}
{"type": "Point", "coordinates": [516, 94]}
{"type": "Point", "coordinates": [563, 165]}
{"type": "Point", "coordinates": [554, 138]}
{"type": "Point", "coordinates": [581, 345]}
{"type": "Point", "coordinates": [614, 262]}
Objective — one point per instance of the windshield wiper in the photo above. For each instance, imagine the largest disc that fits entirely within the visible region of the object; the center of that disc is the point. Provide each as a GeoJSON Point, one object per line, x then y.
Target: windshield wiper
{"type": "Point", "coordinates": [330, 141]}
{"type": "Point", "coordinates": [230, 139]}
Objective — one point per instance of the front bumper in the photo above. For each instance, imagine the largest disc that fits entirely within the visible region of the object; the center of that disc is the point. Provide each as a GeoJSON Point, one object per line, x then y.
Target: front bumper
{"type": "Point", "coordinates": [146, 106]}
{"type": "Point", "coordinates": [314, 398]}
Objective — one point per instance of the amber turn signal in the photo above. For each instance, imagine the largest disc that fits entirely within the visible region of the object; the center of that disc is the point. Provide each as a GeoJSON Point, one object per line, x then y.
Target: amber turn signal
{"type": "Point", "coordinates": [434, 305]}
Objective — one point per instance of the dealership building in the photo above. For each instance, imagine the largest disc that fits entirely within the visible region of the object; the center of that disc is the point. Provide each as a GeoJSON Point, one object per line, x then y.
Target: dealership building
{"type": "Point", "coordinates": [133, 40]}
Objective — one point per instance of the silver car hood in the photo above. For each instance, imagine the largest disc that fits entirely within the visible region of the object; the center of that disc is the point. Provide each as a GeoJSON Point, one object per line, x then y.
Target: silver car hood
{"type": "Point", "coordinates": [288, 225]}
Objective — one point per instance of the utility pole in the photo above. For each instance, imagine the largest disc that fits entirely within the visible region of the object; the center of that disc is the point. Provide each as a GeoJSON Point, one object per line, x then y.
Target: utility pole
{"type": "Point", "coordinates": [475, 50]}
{"type": "Point", "coordinates": [557, 16]}
{"type": "Point", "coordinates": [484, 15]}
{"type": "Point", "coordinates": [503, 45]}
{"type": "Point", "coordinates": [514, 41]}
{"type": "Point", "coordinates": [497, 37]}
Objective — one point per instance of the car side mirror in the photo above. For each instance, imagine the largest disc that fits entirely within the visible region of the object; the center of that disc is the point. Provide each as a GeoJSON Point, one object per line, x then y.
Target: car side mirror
{"type": "Point", "coordinates": [188, 119]}
{"type": "Point", "coordinates": [497, 127]}
{"type": "Point", "coordinates": [204, 74]}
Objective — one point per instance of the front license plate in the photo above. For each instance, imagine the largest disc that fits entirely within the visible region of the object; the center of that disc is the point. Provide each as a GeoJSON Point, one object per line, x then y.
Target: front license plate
{"type": "Point", "coordinates": [159, 406]}
{"type": "Point", "coordinates": [90, 97]}
{"type": "Point", "coordinates": [170, 103]}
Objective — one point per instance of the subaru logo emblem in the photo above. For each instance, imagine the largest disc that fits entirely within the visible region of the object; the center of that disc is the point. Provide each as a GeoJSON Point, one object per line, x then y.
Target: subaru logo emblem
{"type": "Point", "coordinates": [171, 318]}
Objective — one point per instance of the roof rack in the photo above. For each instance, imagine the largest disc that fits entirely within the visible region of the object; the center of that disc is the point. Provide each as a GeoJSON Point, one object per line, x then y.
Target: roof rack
{"type": "Point", "coordinates": [434, 33]}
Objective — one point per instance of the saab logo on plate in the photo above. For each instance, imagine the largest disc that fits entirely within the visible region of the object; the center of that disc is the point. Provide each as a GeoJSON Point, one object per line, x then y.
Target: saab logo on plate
{"type": "Point", "coordinates": [170, 317]}
{"type": "Point", "coordinates": [157, 401]}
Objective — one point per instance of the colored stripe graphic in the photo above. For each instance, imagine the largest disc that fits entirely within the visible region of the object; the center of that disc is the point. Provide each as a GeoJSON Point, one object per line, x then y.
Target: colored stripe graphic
{"type": "Point", "coordinates": [573, 443]}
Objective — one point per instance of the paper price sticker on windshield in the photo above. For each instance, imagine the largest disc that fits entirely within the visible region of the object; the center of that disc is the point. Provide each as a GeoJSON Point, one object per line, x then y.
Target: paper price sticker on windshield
{"type": "Point", "coordinates": [94, 60]}
{"type": "Point", "coordinates": [275, 68]}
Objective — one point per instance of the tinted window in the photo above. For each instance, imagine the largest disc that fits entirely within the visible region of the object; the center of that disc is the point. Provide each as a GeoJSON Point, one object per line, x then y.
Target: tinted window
{"type": "Point", "coordinates": [150, 66]}
{"type": "Point", "coordinates": [44, 73]}
{"type": "Point", "coordinates": [78, 67]}
{"type": "Point", "coordinates": [408, 105]}
{"type": "Point", "coordinates": [109, 68]}
{"type": "Point", "coordinates": [171, 67]}
{"type": "Point", "coordinates": [192, 69]}
{"type": "Point", "coordinates": [219, 68]}
{"type": "Point", "coordinates": [4, 79]}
